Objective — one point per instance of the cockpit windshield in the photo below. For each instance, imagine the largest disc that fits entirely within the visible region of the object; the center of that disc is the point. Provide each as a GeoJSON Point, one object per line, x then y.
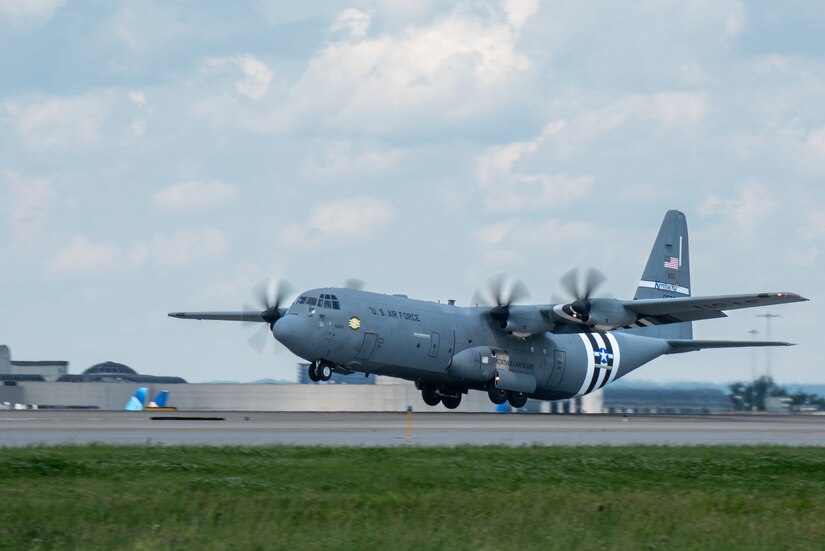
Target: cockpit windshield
{"type": "Point", "coordinates": [327, 301]}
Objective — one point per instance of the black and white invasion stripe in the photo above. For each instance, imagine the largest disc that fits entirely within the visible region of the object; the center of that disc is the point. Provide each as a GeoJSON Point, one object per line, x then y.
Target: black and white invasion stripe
{"type": "Point", "coordinates": [603, 359]}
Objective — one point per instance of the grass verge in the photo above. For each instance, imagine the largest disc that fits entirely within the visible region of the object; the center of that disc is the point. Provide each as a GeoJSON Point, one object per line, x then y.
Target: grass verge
{"type": "Point", "coordinates": [156, 498]}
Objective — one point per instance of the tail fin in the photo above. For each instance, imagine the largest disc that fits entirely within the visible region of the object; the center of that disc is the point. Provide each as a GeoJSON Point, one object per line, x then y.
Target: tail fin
{"type": "Point", "coordinates": [667, 273]}
{"type": "Point", "coordinates": [136, 402]}
{"type": "Point", "coordinates": [160, 399]}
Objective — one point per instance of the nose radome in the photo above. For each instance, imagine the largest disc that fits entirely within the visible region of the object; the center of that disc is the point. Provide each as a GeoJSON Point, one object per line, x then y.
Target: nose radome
{"type": "Point", "coordinates": [293, 332]}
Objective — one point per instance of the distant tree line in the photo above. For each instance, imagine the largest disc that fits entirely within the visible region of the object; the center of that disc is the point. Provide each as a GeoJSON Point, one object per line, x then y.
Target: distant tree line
{"type": "Point", "coordinates": [744, 396]}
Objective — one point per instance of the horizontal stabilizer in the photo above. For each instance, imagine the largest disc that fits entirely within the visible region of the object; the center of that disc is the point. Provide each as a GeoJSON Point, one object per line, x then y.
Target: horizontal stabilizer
{"type": "Point", "coordinates": [252, 316]}
{"type": "Point", "coordinates": [690, 345]}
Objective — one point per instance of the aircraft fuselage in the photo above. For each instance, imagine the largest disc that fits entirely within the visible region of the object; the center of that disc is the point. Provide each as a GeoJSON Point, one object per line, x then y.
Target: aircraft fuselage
{"type": "Point", "coordinates": [454, 347]}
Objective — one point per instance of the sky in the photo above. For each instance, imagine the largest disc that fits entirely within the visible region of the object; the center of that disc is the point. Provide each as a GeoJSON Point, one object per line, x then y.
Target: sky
{"type": "Point", "coordinates": [164, 156]}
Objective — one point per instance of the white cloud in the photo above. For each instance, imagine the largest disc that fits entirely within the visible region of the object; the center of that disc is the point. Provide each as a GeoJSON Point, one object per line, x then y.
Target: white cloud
{"type": "Point", "coordinates": [814, 226]}
{"type": "Point", "coordinates": [29, 13]}
{"type": "Point", "coordinates": [344, 159]}
{"type": "Point", "coordinates": [519, 11]}
{"type": "Point", "coordinates": [57, 122]}
{"type": "Point", "coordinates": [194, 196]}
{"type": "Point", "coordinates": [439, 72]}
{"type": "Point", "coordinates": [815, 142]}
{"type": "Point", "coordinates": [138, 254]}
{"type": "Point", "coordinates": [735, 19]}
{"type": "Point", "coordinates": [257, 77]}
{"type": "Point", "coordinates": [580, 128]}
{"type": "Point", "coordinates": [678, 108]}
{"type": "Point", "coordinates": [138, 98]}
{"type": "Point", "coordinates": [344, 219]}
{"type": "Point", "coordinates": [508, 189]}
{"type": "Point", "coordinates": [494, 234]}
{"type": "Point", "coordinates": [753, 205]}
{"type": "Point", "coordinates": [83, 257]}
{"type": "Point", "coordinates": [28, 208]}
{"type": "Point", "coordinates": [186, 246]}
{"type": "Point", "coordinates": [353, 23]}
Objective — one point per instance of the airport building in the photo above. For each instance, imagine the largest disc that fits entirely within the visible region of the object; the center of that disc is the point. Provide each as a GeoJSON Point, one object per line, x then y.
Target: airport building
{"type": "Point", "coordinates": [385, 394]}
{"type": "Point", "coordinates": [621, 398]}
{"type": "Point", "coordinates": [109, 385]}
{"type": "Point", "coordinates": [11, 370]}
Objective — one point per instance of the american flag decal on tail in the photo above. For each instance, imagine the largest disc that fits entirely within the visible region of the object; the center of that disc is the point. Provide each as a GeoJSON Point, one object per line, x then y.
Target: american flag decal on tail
{"type": "Point", "coordinates": [672, 263]}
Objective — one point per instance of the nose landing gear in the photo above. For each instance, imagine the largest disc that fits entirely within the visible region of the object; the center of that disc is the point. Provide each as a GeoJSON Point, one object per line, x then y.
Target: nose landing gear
{"type": "Point", "coordinates": [320, 371]}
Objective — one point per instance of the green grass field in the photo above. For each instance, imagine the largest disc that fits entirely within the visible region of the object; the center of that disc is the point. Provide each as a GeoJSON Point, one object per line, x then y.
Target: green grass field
{"type": "Point", "coordinates": [155, 498]}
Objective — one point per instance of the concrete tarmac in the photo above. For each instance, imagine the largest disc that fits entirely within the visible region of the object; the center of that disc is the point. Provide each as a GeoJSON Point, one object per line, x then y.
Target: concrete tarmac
{"type": "Point", "coordinates": [52, 427]}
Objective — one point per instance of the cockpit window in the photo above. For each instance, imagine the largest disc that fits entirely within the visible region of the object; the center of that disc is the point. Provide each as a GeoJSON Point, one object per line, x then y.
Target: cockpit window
{"type": "Point", "coordinates": [329, 302]}
{"type": "Point", "coordinates": [312, 301]}
{"type": "Point", "coordinates": [301, 300]}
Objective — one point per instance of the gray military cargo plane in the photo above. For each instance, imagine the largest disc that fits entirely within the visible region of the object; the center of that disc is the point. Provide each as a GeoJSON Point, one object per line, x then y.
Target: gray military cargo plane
{"type": "Point", "coordinates": [512, 352]}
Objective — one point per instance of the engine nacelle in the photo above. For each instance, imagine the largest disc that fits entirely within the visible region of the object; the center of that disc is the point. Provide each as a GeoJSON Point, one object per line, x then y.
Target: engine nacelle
{"type": "Point", "coordinates": [605, 313]}
{"type": "Point", "coordinates": [474, 364]}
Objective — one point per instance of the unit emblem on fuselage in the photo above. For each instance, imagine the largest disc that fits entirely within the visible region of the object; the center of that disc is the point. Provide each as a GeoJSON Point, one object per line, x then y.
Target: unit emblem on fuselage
{"type": "Point", "coordinates": [354, 323]}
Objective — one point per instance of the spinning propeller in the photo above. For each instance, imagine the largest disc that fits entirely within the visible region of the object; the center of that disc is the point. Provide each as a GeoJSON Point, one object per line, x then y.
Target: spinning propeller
{"type": "Point", "coordinates": [499, 295]}
{"type": "Point", "coordinates": [581, 288]}
{"type": "Point", "coordinates": [270, 297]}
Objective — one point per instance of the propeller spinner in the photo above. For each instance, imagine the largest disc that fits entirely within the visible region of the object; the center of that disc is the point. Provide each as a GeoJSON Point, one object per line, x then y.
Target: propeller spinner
{"type": "Point", "coordinates": [581, 289]}
{"type": "Point", "coordinates": [500, 295]}
{"type": "Point", "coordinates": [269, 298]}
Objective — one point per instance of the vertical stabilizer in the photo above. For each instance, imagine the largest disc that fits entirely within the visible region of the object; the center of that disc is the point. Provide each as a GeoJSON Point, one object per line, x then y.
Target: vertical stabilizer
{"type": "Point", "coordinates": [160, 399]}
{"type": "Point", "coordinates": [667, 273]}
{"type": "Point", "coordinates": [137, 401]}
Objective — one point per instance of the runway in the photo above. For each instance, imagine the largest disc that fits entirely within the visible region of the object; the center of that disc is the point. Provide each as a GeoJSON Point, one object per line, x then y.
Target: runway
{"type": "Point", "coordinates": [28, 428]}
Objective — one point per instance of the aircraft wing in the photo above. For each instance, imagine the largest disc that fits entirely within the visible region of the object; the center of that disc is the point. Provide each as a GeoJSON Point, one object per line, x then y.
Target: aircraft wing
{"type": "Point", "coordinates": [252, 316]}
{"type": "Point", "coordinates": [675, 310]}
{"type": "Point", "coordinates": [689, 345]}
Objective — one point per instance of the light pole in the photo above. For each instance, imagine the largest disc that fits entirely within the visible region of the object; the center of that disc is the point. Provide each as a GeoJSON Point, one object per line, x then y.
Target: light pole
{"type": "Point", "coordinates": [768, 317]}
{"type": "Point", "coordinates": [753, 333]}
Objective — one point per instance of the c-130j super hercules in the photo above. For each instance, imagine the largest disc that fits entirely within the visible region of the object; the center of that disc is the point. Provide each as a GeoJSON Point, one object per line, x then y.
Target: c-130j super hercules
{"type": "Point", "coordinates": [512, 352]}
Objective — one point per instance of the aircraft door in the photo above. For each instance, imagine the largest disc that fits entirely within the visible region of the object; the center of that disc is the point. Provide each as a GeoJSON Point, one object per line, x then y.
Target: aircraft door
{"type": "Point", "coordinates": [435, 342]}
{"type": "Point", "coordinates": [367, 346]}
{"type": "Point", "coordinates": [557, 369]}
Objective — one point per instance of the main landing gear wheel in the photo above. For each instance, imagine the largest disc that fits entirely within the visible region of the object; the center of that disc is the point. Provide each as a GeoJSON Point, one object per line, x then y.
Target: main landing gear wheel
{"type": "Point", "coordinates": [313, 372]}
{"type": "Point", "coordinates": [451, 402]}
{"type": "Point", "coordinates": [517, 399]}
{"type": "Point", "coordinates": [324, 372]}
{"type": "Point", "coordinates": [497, 395]}
{"type": "Point", "coordinates": [429, 396]}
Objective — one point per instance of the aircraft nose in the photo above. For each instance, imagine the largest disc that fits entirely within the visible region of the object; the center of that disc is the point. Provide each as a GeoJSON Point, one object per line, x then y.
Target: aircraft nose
{"type": "Point", "coordinates": [294, 332]}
